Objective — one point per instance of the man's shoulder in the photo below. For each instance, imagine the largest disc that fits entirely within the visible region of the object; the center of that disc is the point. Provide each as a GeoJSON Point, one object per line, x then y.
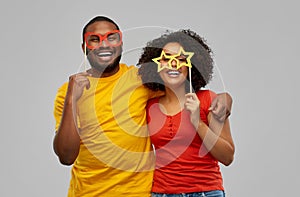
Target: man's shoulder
{"type": "Point", "coordinates": [131, 72]}
{"type": "Point", "coordinates": [128, 67]}
{"type": "Point", "coordinates": [63, 87]}
{"type": "Point", "coordinates": [61, 91]}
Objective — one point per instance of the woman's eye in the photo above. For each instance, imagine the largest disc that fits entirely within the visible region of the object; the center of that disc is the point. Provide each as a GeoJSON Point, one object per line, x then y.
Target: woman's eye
{"type": "Point", "coordinates": [165, 59]}
{"type": "Point", "coordinates": [182, 59]}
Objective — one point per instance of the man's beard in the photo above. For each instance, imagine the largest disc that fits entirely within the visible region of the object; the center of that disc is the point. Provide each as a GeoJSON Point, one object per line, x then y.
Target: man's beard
{"type": "Point", "coordinates": [106, 68]}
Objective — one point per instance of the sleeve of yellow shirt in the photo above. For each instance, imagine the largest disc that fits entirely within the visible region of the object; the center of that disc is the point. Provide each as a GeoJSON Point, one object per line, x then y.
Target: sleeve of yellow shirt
{"type": "Point", "coordinates": [154, 94]}
{"type": "Point", "coordinates": [59, 104]}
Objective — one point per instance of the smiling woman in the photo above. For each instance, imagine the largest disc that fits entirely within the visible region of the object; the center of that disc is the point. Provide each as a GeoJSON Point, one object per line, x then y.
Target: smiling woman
{"type": "Point", "coordinates": [189, 142]}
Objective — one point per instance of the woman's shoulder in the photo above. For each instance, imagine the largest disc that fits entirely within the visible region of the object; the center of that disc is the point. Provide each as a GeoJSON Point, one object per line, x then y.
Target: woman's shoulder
{"type": "Point", "coordinates": [206, 97]}
{"type": "Point", "coordinates": [206, 93]}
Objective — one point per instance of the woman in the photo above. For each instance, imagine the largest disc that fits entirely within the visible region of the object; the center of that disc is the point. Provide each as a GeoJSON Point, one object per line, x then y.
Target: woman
{"type": "Point", "coordinates": [189, 141]}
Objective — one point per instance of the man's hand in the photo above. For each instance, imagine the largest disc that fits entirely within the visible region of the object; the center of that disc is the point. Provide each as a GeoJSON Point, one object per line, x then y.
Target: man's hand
{"type": "Point", "coordinates": [221, 106]}
{"type": "Point", "coordinates": [77, 83]}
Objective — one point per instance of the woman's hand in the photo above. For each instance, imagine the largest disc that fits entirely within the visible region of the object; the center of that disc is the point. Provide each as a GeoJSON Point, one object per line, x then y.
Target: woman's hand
{"type": "Point", "coordinates": [192, 104]}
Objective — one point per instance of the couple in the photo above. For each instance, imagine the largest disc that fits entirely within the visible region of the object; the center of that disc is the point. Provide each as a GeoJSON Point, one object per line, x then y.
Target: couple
{"type": "Point", "coordinates": [103, 130]}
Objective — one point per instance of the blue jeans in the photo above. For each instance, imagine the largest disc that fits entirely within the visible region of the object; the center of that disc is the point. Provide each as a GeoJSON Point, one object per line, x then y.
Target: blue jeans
{"type": "Point", "coordinates": [215, 193]}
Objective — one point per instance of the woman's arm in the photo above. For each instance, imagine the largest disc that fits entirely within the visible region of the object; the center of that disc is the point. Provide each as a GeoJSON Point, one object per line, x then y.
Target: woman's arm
{"type": "Point", "coordinates": [217, 136]}
{"type": "Point", "coordinates": [217, 139]}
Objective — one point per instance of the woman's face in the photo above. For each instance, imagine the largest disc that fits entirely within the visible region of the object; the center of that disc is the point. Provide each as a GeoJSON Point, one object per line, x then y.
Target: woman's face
{"type": "Point", "coordinates": [173, 77]}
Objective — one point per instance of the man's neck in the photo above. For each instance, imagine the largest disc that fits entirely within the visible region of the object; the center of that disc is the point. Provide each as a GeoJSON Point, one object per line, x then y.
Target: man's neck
{"type": "Point", "coordinates": [105, 73]}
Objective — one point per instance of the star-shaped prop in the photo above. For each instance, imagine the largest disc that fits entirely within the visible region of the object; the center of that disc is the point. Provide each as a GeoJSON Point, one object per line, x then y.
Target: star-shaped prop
{"type": "Point", "coordinates": [170, 58]}
{"type": "Point", "coordinates": [188, 56]}
{"type": "Point", "coordinates": [157, 60]}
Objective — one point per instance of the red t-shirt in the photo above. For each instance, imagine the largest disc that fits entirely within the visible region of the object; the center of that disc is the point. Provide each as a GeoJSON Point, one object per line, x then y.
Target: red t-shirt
{"type": "Point", "coordinates": [180, 164]}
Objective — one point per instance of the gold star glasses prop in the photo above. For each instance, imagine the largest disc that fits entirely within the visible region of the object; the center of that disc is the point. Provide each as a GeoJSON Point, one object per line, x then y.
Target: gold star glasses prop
{"type": "Point", "coordinates": [164, 58]}
{"type": "Point", "coordinates": [160, 61]}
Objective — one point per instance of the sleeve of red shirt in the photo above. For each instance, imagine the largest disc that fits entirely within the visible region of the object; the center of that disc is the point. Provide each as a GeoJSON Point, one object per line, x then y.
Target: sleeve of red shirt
{"type": "Point", "coordinates": [206, 97]}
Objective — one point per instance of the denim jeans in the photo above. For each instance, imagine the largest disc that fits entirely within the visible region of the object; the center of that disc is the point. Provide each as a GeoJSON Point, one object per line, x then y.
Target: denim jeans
{"type": "Point", "coordinates": [215, 193]}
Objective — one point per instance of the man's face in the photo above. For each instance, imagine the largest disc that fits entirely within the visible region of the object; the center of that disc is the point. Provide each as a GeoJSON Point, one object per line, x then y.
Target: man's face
{"type": "Point", "coordinates": [103, 56]}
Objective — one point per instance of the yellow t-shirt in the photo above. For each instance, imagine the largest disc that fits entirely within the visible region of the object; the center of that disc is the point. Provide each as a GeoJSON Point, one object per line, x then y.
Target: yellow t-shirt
{"type": "Point", "coordinates": [115, 158]}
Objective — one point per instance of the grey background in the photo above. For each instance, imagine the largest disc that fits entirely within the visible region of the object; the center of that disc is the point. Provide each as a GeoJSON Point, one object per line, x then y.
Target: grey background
{"type": "Point", "coordinates": [256, 46]}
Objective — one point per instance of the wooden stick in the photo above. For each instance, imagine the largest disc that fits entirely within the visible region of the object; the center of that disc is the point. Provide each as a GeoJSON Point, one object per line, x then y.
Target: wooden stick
{"type": "Point", "coordinates": [85, 57]}
{"type": "Point", "coordinates": [190, 76]}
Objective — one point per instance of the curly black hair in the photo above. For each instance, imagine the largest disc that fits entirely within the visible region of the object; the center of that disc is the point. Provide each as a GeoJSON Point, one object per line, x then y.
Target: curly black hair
{"type": "Point", "coordinates": [202, 61]}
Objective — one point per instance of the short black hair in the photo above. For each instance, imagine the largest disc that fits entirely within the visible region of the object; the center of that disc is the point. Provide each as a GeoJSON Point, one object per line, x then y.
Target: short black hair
{"type": "Point", "coordinates": [97, 19]}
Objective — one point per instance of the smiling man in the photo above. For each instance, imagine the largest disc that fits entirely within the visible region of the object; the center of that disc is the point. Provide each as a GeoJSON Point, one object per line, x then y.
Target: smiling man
{"type": "Point", "coordinates": [101, 120]}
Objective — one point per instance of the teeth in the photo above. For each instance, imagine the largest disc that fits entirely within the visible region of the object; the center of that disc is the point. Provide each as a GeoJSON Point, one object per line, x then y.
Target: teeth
{"type": "Point", "coordinates": [105, 53]}
{"type": "Point", "coordinates": [173, 72]}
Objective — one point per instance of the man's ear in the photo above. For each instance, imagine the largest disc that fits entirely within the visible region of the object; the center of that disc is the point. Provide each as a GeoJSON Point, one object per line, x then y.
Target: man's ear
{"type": "Point", "coordinates": [122, 47]}
{"type": "Point", "coordinates": [82, 47]}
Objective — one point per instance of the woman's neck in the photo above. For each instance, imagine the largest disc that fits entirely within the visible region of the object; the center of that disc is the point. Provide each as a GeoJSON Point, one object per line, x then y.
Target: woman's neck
{"type": "Point", "coordinates": [173, 101]}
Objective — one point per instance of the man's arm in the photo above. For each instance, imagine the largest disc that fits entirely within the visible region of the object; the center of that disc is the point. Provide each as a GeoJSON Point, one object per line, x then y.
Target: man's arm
{"type": "Point", "coordinates": [66, 142]}
{"type": "Point", "coordinates": [221, 106]}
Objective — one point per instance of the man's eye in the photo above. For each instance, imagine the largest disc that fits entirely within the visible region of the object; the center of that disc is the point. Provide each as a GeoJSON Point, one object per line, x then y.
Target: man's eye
{"type": "Point", "coordinates": [94, 39]}
{"type": "Point", "coordinates": [112, 37]}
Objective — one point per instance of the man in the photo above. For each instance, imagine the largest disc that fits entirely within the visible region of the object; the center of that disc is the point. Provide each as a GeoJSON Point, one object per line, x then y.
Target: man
{"type": "Point", "coordinates": [101, 120]}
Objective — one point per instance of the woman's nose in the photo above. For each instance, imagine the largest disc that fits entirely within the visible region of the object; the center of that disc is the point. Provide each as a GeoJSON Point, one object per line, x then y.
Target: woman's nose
{"type": "Point", "coordinates": [174, 63]}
